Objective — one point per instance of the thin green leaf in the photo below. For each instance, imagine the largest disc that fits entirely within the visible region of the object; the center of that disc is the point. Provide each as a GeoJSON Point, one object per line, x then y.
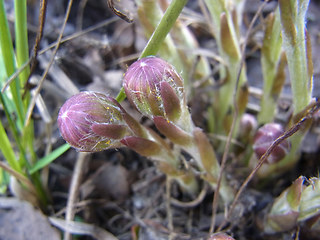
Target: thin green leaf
{"type": "Point", "coordinates": [49, 158]}
{"type": "Point", "coordinates": [9, 59]}
{"type": "Point", "coordinates": [7, 150]}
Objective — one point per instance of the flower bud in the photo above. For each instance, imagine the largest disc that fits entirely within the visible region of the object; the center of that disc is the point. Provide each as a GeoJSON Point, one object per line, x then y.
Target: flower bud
{"type": "Point", "coordinates": [263, 139]}
{"type": "Point", "coordinates": [91, 122]}
{"type": "Point", "coordinates": [154, 87]}
{"type": "Point", "coordinates": [284, 213]}
{"type": "Point", "coordinates": [248, 124]}
{"type": "Point", "coordinates": [297, 204]}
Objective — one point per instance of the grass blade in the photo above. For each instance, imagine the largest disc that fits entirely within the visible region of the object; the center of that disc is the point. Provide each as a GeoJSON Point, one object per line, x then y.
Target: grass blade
{"type": "Point", "coordinates": [41, 163]}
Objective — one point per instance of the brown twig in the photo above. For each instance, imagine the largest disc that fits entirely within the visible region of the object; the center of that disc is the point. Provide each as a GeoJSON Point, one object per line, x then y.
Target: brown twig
{"type": "Point", "coordinates": [81, 8]}
{"type": "Point", "coordinates": [168, 207]}
{"type": "Point", "coordinates": [23, 179]}
{"type": "Point", "coordinates": [74, 189]}
{"type": "Point", "coordinates": [192, 203]}
{"type": "Point", "coordinates": [118, 13]}
{"type": "Point", "coordinates": [42, 17]}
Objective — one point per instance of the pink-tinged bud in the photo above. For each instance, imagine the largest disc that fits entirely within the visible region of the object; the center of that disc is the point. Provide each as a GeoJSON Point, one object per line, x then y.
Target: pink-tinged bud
{"type": "Point", "coordinates": [155, 88]}
{"type": "Point", "coordinates": [263, 139]}
{"type": "Point", "coordinates": [284, 213]}
{"type": "Point", "coordinates": [297, 205]}
{"type": "Point", "coordinates": [91, 122]}
{"type": "Point", "coordinates": [248, 124]}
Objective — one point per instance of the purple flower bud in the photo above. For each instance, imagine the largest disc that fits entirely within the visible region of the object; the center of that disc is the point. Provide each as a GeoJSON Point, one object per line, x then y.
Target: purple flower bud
{"type": "Point", "coordinates": [155, 88]}
{"type": "Point", "coordinates": [248, 124]}
{"type": "Point", "coordinates": [91, 122]}
{"type": "Point", "coordinates": [265, 136]}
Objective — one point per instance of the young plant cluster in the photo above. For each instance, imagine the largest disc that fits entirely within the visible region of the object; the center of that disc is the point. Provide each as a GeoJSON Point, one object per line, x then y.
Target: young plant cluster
{"type": "Point", "coordinates": [91, 122]}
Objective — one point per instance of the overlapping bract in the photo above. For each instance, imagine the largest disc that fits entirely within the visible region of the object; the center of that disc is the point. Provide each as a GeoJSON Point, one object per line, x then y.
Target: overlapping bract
{"type": "Point", "coordinates": [265, 136]}
{"type": "Point", "coordinates": [155, 88]}
{"type": "Point", "coordinates": [91, 122]}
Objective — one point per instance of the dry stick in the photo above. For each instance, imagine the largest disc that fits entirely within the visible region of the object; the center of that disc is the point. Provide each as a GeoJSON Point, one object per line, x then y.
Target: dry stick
{"type": "Point", "coordinates": [192, 203]}
{"type": "Point", "coordinates": [74, 189]}
{"type": "Point", "coordinates": [79, 19]}
{"type": "Point", "coordinates": [235, 116]}
{"type": "Point", "coordinates": [13, 76]}
{"type": "Point", "coordinates": [37, 91]}
{"type": "Point", "coordinates": [42, 17]}
{"type": "Point", "coordinates": [168, 207]}
{"type": "Point", "coordinates": [23, 179]}
{"type": "Point", "coordinates": [314, 107]}
{"type": "Point", "coordinates": [118, 13]}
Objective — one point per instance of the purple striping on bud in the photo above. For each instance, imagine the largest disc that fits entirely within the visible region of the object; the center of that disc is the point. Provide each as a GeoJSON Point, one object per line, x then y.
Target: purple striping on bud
{"type": "Point", "coordinates": [155, 88]}
{"type": "Point", "coordinates": [263, 139]}
{"type": "Point", "coordinates": [91, 122]}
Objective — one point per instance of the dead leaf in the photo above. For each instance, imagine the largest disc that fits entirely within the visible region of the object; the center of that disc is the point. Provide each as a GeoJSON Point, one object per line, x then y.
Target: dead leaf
{"type": "Point", "coordinates": [110, 180]}
{"type": "Point", "coordinates": [19, 220]}
{"type": "Point", "coordinates": [82, 229]}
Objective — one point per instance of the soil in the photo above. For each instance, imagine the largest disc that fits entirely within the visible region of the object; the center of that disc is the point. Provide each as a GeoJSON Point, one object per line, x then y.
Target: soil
{"type": "Point", "coordinates": [119, 191]}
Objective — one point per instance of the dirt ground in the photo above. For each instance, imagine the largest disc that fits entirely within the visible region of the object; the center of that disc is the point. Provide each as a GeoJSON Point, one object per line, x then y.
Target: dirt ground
{"type": "Point", "coordinates": [118, 191]}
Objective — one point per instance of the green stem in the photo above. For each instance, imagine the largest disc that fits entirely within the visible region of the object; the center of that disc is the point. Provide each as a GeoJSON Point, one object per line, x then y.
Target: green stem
{"type": "Point", "coordinates": [162, 30]}
{"type": "Point", "coordinates": [15, 133]}
{"type": "Point", "coordinates": [7, 150]}
{"type": "Point", "coordinates": [21, 32]}
{"type": "Point", "coordinates": [41, 193]}
{"type": "Point", "coordinates": [292, 17]}
{"type": "Point", "coordinates": [270, 57]}
{"type": "Point", "coordinates": [160, 33]}
{"type": "Point", "coordinates": [294, 42]}
{"type": "Point", "coordinates": [22, 53]}
{"type": "Point", "coordinates": [9, 60]}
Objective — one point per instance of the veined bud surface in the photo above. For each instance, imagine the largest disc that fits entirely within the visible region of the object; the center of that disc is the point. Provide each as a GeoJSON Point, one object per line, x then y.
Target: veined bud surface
{"type": "Point", "coordinates": [155, 88]}
{"type": "Point", "coordinates": [91, 122]}
{"type": "Point", "coordinates": [263, 139]}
